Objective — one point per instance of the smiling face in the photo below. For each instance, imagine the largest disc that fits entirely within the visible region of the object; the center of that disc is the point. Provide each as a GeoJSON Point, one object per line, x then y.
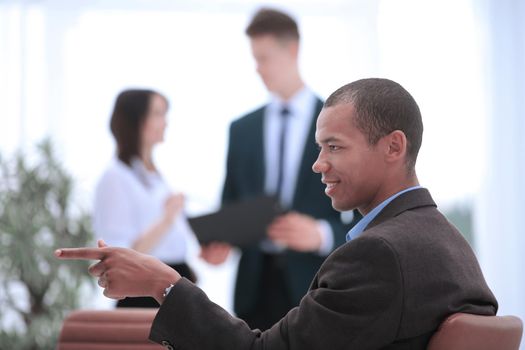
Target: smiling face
{"type": "Point", "coordinates": [353, 170]}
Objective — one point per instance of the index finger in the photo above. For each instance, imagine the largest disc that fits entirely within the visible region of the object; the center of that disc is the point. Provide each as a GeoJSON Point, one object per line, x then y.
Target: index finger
{"type": "Point", "coordinates": [80, 253]}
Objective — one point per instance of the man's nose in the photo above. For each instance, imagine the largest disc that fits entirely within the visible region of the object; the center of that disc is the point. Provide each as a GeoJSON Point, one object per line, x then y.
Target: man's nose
{"type": "Point", "coordinates": [320, 166]}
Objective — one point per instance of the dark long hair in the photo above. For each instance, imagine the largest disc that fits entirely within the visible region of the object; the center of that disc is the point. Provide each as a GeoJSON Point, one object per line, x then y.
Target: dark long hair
{"type": "Point", "coordinates": [130, 112]}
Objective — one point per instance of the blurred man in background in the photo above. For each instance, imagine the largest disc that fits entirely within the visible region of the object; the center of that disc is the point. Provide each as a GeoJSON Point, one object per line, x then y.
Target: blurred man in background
{"type": "Point", "coordinates": [271, 150]}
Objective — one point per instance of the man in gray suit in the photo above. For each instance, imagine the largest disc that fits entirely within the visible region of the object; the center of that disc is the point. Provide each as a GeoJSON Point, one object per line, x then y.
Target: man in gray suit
{"type": "Point", "coordinates": [404, 269]}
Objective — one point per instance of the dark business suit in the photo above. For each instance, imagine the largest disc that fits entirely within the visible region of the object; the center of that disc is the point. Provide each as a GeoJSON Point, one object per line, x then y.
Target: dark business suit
{"type": "Point", "coordinates": [388, 289]}
{"type": "Point", "coordinates": [245, 178]}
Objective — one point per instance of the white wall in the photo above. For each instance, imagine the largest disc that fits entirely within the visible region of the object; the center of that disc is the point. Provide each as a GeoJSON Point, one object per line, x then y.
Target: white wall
{"type": "Point", "coordinates": [500, 211]}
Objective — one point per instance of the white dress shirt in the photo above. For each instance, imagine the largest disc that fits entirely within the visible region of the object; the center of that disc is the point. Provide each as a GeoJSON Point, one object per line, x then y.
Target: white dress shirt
{"type": "Point", "coordinates": [301, 107]}
{"type": "Point", "coordinates": [128, 201]}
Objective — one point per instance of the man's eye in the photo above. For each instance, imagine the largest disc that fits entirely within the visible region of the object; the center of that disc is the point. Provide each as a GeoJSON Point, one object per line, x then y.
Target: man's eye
{"type": "Point", "coordinates": [333, 148]}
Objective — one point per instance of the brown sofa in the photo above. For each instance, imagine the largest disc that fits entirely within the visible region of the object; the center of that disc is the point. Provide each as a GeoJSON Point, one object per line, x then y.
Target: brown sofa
{"type": "Point", "coordinates": [474, 332]}
{"type": "Point", "coordinates": [120, 329]}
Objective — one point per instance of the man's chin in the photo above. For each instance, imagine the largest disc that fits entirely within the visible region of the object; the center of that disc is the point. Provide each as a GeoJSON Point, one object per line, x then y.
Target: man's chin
{"type": "Point", "coordinates": [339, 206]}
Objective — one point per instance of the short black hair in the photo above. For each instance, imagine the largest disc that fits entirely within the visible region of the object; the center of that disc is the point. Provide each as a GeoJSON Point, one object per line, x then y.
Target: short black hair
{"type": "Point", "coordinates": [269, 21]}
{"type": "Point", "coordinates": [381, 107]}
{"type": "Point", "coordinates": [129, 113]}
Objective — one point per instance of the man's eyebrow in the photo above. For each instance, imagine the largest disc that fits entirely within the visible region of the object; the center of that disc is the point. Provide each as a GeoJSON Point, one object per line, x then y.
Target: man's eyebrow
{"type": "Point", "coordinates": [327, 140]}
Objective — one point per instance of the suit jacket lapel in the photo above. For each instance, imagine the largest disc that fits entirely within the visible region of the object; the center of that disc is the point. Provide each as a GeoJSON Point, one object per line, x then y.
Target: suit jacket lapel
{"type": "Point", "coordinates": [309, 154]}
{"type": "Point", "coordinates": [259, 170]}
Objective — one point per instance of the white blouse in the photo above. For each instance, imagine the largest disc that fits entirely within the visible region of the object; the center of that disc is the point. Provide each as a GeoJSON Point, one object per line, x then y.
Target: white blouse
{"type": "Point", "coordinates": [129, 200]}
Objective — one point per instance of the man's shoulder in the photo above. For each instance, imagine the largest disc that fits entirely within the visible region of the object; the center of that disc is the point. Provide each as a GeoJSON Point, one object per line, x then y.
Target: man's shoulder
{"type": "Point", "coordinates": [253, 117]}
{"type": "Point", "coordinates": [418, 229]}
{"type": "Point", "coordinates": [423, 230]}
{"type": "Point", "coordinates": [319, 103]}
{"type": "Point", "coordinates": [425, 218]}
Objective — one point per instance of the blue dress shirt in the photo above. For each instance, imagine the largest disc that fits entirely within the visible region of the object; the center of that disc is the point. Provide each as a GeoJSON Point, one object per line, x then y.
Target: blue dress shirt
{"type": "Point", "coordinates": [363, 223]}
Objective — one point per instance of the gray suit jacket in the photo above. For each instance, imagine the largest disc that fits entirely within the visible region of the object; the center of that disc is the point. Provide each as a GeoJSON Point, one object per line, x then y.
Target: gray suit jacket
{"type": "Point", "coordinates": [388, 289]}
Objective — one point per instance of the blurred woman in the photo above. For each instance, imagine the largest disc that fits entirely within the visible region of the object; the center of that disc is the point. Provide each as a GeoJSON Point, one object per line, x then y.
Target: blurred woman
{"type": "Point", "coordinates": [134, 206]}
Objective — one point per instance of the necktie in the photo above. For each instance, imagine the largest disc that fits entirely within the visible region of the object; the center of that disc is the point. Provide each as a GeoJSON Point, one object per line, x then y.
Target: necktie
{"type": "Point", "coordinates": [285, 113]}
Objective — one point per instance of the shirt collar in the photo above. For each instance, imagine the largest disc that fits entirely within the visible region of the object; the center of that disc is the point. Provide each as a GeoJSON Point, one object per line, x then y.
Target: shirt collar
{"type": "Point", "coordinates": [298, 104]}
{"type": "Point", "coordinates": [363, 223]}
{"type": "Point", "coordinates": [147, 177]}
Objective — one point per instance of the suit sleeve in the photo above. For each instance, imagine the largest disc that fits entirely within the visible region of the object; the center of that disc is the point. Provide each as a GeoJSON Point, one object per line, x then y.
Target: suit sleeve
{"type": "Point", "coordinates": [355, 303]}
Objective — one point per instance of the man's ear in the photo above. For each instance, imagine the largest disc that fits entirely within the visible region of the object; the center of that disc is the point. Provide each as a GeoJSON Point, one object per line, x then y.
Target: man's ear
{"type": "Point", "coordinates": [396, 146]}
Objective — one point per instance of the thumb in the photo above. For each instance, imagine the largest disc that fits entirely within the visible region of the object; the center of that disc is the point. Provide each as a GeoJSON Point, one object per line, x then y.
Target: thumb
{"type": "Point", "coordinates": [101, 243]}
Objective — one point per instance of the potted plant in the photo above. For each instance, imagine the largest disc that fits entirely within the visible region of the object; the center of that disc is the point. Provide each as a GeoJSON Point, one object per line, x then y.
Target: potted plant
{"type": "Point", "coordinates": [37, 215]}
